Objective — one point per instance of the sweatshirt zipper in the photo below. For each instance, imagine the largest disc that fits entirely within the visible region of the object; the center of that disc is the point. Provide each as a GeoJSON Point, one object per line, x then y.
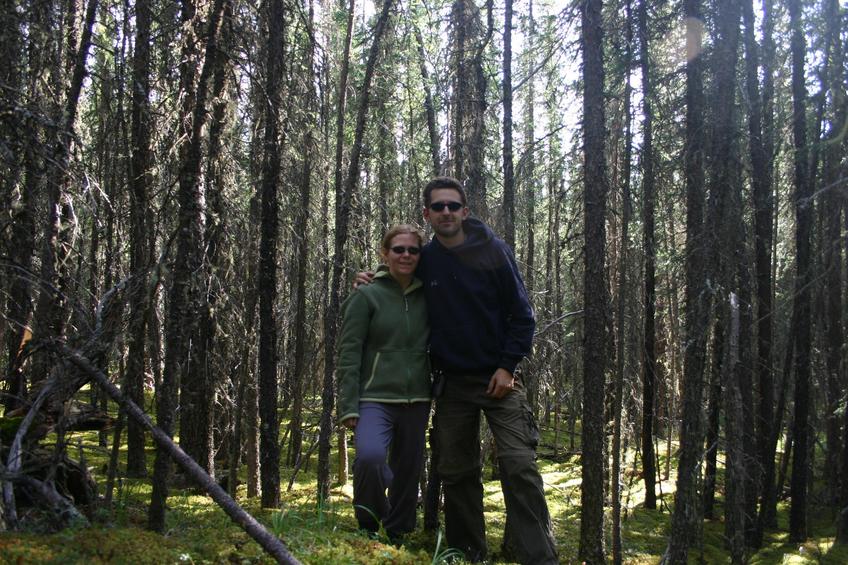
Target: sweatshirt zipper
{"type": "Point", "coordinates": [408, 336]}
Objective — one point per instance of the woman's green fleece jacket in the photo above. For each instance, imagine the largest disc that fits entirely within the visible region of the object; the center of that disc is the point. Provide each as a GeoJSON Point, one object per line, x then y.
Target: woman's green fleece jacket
{"type": "Point", "coordinates": [383, 346]}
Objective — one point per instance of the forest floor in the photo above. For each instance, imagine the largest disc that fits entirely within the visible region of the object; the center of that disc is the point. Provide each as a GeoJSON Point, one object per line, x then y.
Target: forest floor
{"type": "Point", "coordinates": [197, 531]}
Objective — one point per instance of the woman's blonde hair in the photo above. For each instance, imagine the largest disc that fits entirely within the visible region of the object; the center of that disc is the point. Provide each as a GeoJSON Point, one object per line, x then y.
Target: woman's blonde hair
{"type": "Point", "coordinates": [398, 230]}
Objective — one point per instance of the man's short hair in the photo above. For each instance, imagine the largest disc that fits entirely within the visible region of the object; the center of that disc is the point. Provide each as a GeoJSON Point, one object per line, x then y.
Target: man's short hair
{"type": "Point", "coordinates": [444, 182]}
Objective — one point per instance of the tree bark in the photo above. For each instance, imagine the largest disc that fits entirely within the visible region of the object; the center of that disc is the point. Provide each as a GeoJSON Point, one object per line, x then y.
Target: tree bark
{"type": "Point", "coordinates": [51, 309]}
{"type": "Point", "coordinates": [181, 319]}
{"type": "Point", "coordinates": [330, 326]}
{"type": "Point", "coordinates": [724, 201]}
{"type": "Point", "coordinates": [140, 256]}
{"type": "Point", "coordinates": [468, 102]}
{"type": "Point", "coordinates": [21, 240]}
{"type": "Point", "coordinates": [837, 206]}
{"type": "Point", "coordinates": [764, 241]}
{"type": "Point", "coordinates": [802, 298]}
{"type": "Point", "coordinates": [508, 170]}
{"type": "Point", "coordinates": [734, 514]}
{"type": "Point", "coordinates": [527, 163]}
{"type": "Point", "coordinates": [714, 402]}
{"type": "Point", "coordinates": [618, 387]}
{"type": "Point", "coordinates": [209, 350]}
{"type": "Point", "coordinates": [595, 310]}
{"type": "Point", "coordinates": [12, 71]}
{"type": "Point", "coordinates": [649, 368]}
{"type": "Point", "coordinates": [269, 430]}
{"type": "Point", "coordinates": [833, 283]}
{"type": "Point", "coordinates": [344, 196]}
{"type": "Point", "coordinates": [686, 517]}
{"type": "Point", "coordinates": [429, 107]}
{"type": "Point", "coordinates": [301, 268]}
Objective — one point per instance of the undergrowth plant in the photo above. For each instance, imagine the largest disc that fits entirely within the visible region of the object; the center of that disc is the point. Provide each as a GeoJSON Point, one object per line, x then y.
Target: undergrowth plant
{"type": "Point", "coordinates": [444, 555]}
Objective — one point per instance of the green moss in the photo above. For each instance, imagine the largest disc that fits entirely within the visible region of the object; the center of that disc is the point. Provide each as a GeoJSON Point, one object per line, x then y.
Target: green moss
{"type": "Point", "coordinates": [197, 531]}
{"type": "Point", "coordinates": [90, 545]}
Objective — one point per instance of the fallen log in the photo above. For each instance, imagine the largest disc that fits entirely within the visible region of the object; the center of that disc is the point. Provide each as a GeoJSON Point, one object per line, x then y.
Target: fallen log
{"type": "Point", "coordinates": [269, 542]}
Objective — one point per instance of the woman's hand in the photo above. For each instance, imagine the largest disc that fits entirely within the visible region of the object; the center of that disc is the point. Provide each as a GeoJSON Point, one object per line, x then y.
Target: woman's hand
{"type": "Point", "coordinates": [350, 423]}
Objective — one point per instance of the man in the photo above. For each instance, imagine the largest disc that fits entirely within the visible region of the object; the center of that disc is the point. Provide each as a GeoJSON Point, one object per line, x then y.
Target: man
{"type": "Point", "coordinates": [481, 327]}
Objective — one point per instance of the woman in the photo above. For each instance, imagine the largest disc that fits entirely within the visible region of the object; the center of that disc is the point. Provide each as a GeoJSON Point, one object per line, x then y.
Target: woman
{"type": "Point", "coordinates": [384, 385]}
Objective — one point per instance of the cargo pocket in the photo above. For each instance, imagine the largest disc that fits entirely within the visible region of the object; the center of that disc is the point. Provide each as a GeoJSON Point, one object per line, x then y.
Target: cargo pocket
{"type": "Point", "coordinates": [532, 428]}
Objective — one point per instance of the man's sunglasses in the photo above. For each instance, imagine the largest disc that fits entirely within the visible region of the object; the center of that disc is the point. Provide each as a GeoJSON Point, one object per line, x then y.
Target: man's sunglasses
{"type": "Point", "coordinates": [400, 250]}
{"type": "Point", "coordinates": [439, 206]}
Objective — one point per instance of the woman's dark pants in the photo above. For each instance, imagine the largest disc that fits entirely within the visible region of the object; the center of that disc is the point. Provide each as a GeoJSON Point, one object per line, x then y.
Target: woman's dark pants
{"type": "Point", "coordinates": [389, 442]}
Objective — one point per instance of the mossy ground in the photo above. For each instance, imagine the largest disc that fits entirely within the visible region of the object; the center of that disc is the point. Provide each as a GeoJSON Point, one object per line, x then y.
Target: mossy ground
{"type": "Point", "coordinates": [197, 531]}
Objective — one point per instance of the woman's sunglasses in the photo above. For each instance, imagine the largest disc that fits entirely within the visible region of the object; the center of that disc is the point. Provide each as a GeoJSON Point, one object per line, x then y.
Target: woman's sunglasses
{"type": "Point", "coordinates": [400, 250]}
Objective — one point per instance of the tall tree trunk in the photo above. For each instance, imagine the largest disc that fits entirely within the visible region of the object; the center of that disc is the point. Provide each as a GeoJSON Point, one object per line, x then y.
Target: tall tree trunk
{"type": "Point", "coordinates": [344, 196]}
{"type": "Point", "coordinates": [832, 286]}
{"type": "Point", "coordinates": [802, 297]}
{"type": "Point", "coordinates": [595, 310]}
{"type": "Point", "coordinates": [529, 157]}
{"type": "Point", "coordinates": [744, 370]}
{"type": "Point", "coordinates": [208, 348]}
{"type": "Point", "coordinates": [330, 327]}
{"type": "Point", "coordinates": [301, 266]}
{"type": "Point", "coordinates": [509, 187]}
{"type": "Point", "coordinates": [723, 184]}
{"type": "Point", "coordinates": [714, 401]}
{"type": "Point", "coordinates": [181, 321]}
{"type": "Point", "coordinates": [764, 241]}
{"type": "Point", "coordinates": [834, 258]}
{"type": "Point", "coordinates": [468, 103]}
{"type": "Point", "coordinates": [476, 140]}
{"type": "Point", "coordinates": [12, 72]}
{"type": "Point", "coordinates": [508, 171]}
{"type": "Point", "coordinates": [734, 517]}
{"type": "Point", "coordinates": [615, 473]}
{"type": "Point", "coordinates": [17, 197]}
{"type": "Point", "coordinates": [19, 298]}
{"type": "Point", "coordinates": [269, 429]}
{"type": "Point", "coordinates": [251, 424]}
{"type": "Point", "coordinates": [687, 515]}
{"type": "Point", "coordinates": [140, 256]}
{"type": "Point", "coordinates": [459, 88]}
{"type": "Point", "coordinates": [197, 385]}
{"type": "Point", "coordinates": [51, 309]}
{"type": "Point", "coordinates": [429, 107]}
{"type": "Point", "coordinates": [649, 368]}
{"type": "Point", "coordinates": [724, 201]}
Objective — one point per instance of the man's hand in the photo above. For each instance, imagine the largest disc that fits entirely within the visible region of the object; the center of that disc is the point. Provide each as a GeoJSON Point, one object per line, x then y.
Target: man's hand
{"type": "Point", "coordinates": [501, 384]}
{"type": "Point", "coordinates": [363, 277]}
{"type": "Point", "coordinates": [350, 423]}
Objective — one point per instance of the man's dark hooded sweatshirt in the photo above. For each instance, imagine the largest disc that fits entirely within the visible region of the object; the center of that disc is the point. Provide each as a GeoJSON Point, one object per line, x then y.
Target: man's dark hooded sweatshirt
{"type": "Point", "coordinates": [480, 317]}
